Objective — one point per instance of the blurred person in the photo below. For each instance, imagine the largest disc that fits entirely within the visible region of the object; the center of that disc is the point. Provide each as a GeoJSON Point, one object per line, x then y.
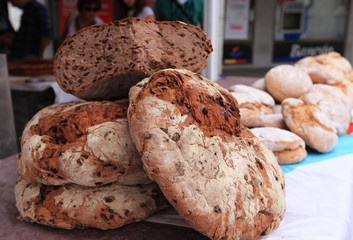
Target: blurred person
{"type": "Point", "coordinates": [188, 11]}
{"type": "Point", "coordinates": [34, 33]}
{"type": "Point", "coordinates": [150, 3]}
{"type": "Point", "coordinates": [85, 16]}
{"type": "Point", "coordinates": [135, 8]}
{"type": "Point", "coordinates": [7, 32]}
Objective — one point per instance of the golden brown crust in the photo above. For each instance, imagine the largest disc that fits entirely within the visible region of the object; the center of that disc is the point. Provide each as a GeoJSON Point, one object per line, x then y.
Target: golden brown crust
{"type": "Point", "coordinates": [310, 123]}
{"type": "Point", "coordinates": [325, 67]}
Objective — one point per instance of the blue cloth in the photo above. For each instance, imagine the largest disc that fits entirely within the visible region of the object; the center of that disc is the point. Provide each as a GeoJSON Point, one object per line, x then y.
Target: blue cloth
{"type": "Point", "coordinates": [343, 147]}
{"type": "Point", "coordinates": [34, 25]}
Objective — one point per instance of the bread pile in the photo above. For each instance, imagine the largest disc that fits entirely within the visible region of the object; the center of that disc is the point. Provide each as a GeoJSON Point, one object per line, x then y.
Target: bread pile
{"type": "Point", "coordinates": [178, 139]}
{"type": "Point", "coordinates": [315, 98]}
{"type": "Point", "coordinates": [79, 168]}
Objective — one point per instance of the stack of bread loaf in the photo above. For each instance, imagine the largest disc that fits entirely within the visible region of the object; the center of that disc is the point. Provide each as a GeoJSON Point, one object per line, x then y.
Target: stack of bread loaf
{"type": "Point", "coordinates": [308, 103]}
{"type": "Point", "coordinates": [177, 138]}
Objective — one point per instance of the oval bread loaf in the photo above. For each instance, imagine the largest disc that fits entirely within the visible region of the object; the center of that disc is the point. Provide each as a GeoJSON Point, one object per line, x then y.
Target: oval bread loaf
{"type": "Point", "coordinates": [286, 81]}
{"type": "Point", "coordinates": [87, 143]}
{"type": "Point", "coordinates": [310, 123]}
{"type": "Point", "coordinates": [102, 62]}
{"type": "Point", "coordinates": [288, 147]}
{"type": "Point", "coordinates": [71, 206]}
{"type": "Point", "coordinates": [212, 169]}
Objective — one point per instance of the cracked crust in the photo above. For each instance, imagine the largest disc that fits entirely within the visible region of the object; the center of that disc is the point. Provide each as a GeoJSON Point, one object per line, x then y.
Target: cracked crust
{"type": "Point", "coordinates": [211, 168]}
{"type": "Point", "coordinates": [86, 143]}
{"type": "Point", "coordinates": [71, 206]}
{"type": "Point", "coordinates": [325, 67]}
{"type": "Point", "coordinates": [333, 103]}
{"type": "Point", "coordinates": [310, 123]}
{"type": "Point", "coordinates": [102, 62]}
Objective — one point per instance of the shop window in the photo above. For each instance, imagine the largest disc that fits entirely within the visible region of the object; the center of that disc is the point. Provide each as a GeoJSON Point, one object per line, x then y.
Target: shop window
{"type": "Point", "coordinates": [309, 27]}
{"type": "Point", "coordinates": [238, 32]}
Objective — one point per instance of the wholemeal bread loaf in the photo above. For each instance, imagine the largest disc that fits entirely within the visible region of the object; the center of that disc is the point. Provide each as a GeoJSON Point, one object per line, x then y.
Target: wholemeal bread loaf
{"type": "Point", "coordinates": [212, 169]}
{"type": "Point", "coordinates": [254, 104]}
{"type": "Point", "coordinates": [310, 123]}
{"type": "Point", "coordinates": [325, 67]}
{"type": "Point", "coordinates": [346, 86]}
{"type": "Point", "coordinates": [87, 143]}
{"type": "Point", "coordinates": [333, 103]}
{"type": "Point", "coordinates": [274, 120]}
{"type": "Point", "coordinates": [285, 81]}
{"type": "Point", "coordinates": [259, 84]}
{"type": "Point", "coordinates": [288, 147]}
{"type": "Point", "coordinates": [102, 62]}
{"type": "Point", "coordinates": [71, 206]}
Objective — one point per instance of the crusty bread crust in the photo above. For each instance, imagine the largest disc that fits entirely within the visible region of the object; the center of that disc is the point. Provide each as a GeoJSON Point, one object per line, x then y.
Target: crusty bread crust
{"type": "Point", "coordinates": [102, 62]}
{"type": "Point", "coordinates": [286, 81]}
{"type": "Point", "coordinates": [288, 147]}
{"type": "Point", "coordinates": [254, 104]}
{"type": "Point", "coordinates": [87, 143]}
{"type": "Point", "coordinates": [325, 67]}
{"type": "Point", "coordinates": [333, 103]}
{"type": "Point", "coordinates": [310, 123]}
{"type": "Point", "coordinates": [211, 168]}
{"type": "Point", "coordinates": [71, 206]}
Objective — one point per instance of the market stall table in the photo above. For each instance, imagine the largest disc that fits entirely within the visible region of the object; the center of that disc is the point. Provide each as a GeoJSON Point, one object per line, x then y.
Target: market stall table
{"type": "Point", "coordinates": [318, 197]}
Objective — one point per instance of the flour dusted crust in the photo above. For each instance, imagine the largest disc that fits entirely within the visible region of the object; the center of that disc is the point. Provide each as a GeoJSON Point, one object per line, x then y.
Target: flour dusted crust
{"type": "Point", "coordinates": [253, 104]}
{"type": "Point", "coordinates": [259, 84]}
{"type": "Point", "coordinates": [310, 123]}
{"type": "Point", "coordinates": [71, 206]}
{"type": "Point", "coordinates": [87, 143]}
{"type": "Point", "coordinates": [285, 81]}
{"type": "Point", "coordinates": [325, 67]}
{"type": "Point", "coordinates": [288, 147]}
{"type": "Point", "coordinates": [211, 168]}
{"type": "Point", "coordinates": [102, 62]}
{"type": "Point", "coordinates": [333, 103]}
{"type": "Point", "coordinates": [346, 86]}
{"type": "Point", "coordinates": [274, 120]}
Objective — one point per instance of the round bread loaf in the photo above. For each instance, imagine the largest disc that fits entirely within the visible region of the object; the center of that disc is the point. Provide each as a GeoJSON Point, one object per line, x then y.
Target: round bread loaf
{"type": "Point", "coordinates": [71, 206]}
{"type": "Point", "coordinates": [86, 143]}
{"type": "Point", "coordinates": [285, 81]}
{"type": "Point", "coordinates": [212, 169]}
{"type": "Point", "coordinates": [346, 87]}
{"type": "Point", "coordinates": [253, 104]}
{"type": "Point", "coordinates": [325, 67]}
{"type": "Point", "coordinates": [288, 147]}
{"type": "Point", "coordinates": [349, 76]}
{"type": "Point", "coordinates": [102, 62]}
{"type": "Point", "coordinates": [310, 123]}
{"type": "Point", "coordinates": [274, 120]}
{"type": "Point", "coordinates": [260, 84]}
{"type": "Point", "coordinates": [333, 103]}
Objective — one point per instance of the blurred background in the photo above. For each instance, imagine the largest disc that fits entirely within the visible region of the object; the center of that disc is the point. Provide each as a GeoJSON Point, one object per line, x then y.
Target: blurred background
{"type": "Point", "coordinates": [249, 37]}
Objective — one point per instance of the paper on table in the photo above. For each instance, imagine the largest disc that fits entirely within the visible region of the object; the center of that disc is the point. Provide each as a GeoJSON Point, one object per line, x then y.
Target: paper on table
{"type": "Point", "coordinates": [168, 216]}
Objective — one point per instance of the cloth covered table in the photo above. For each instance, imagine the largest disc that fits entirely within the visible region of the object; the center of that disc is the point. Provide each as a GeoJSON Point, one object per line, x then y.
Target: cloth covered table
{"type": "Point", "coordinates": [319, 198]}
